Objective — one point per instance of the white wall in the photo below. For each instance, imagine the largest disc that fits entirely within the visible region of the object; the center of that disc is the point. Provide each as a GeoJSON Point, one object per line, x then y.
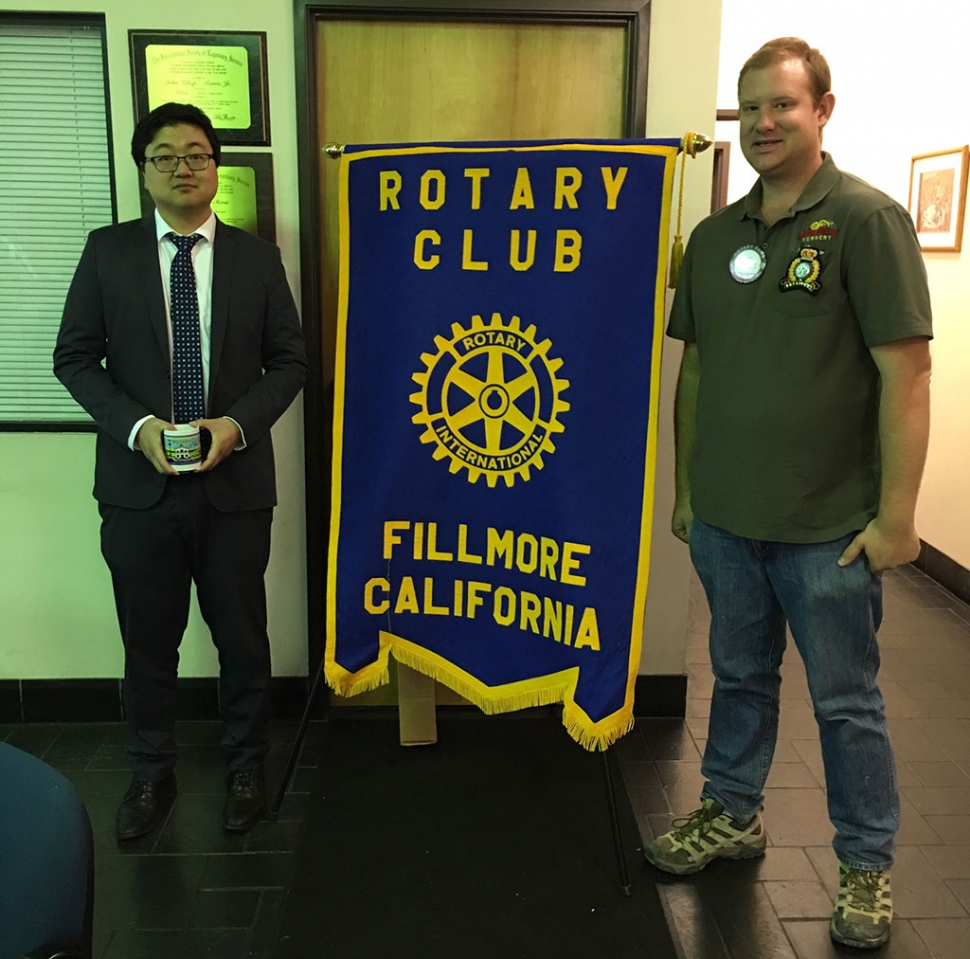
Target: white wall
{"type": "Point", "coordinates": [55, 592]}
{"type": "Point", "coordinates": [681, 93]}
{"type": "Point", "coordinates": [900, 80]}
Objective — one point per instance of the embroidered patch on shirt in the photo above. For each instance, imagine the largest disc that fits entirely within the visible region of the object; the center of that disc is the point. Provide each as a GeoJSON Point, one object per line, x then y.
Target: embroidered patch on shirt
{"type": "Point", "coordinates": [803, 272]}
{"type": "Point", "coordinates": [819, 230]}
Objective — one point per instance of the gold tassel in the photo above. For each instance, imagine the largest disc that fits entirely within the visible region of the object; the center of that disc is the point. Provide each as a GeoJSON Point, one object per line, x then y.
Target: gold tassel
{"type": "Point", "coordinates": [676, 258]}
{"type": "Point", "coordinates": [677, 252]}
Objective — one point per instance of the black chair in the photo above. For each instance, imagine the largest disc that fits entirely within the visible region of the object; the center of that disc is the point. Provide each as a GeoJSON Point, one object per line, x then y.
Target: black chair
{"type": "Point", "coordinates": [46, 862]}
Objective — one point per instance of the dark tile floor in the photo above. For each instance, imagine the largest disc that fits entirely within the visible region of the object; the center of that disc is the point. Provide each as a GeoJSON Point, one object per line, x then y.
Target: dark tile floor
{"type": "Point", "coordinates": [191, 891]}
{"type": "Point", "coordinates": [779, 907]}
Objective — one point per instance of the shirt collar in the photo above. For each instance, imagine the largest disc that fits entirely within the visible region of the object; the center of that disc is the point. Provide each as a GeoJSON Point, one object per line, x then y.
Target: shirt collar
{"type": "Point", "coordinates": [208, 229]}
{"type": "Point", "coordinates": [816, 190]}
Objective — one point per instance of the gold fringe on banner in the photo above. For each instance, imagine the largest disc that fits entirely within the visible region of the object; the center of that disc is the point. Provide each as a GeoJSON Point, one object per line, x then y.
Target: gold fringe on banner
{"type": "Point", "coordinates": [542, 691]}
{"type": "Point", "coordinates": [591, 736]}
{"type": "Point", "coordinates": [606, 733]}
{"type": "Point", "coordinates": [688, 148]}
{"type": "Point", "coordinates": [457, 681]}
{"type": "Point", "coordinates": [349, 684]}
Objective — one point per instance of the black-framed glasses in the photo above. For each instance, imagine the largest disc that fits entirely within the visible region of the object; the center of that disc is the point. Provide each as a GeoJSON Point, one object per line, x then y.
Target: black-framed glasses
{"type": "Point", "coordinates": [169, 164]}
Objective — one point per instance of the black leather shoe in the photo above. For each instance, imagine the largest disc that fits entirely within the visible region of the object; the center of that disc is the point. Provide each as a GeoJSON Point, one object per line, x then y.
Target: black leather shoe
{"type": "Point", "coordinates": [245, 799]}
{"type": "Point", "coordinates": [145, 805]}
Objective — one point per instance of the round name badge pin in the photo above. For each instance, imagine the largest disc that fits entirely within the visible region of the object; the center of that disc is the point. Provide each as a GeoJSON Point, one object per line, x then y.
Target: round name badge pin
{"type": "Point", "coordinates": [748, 263]}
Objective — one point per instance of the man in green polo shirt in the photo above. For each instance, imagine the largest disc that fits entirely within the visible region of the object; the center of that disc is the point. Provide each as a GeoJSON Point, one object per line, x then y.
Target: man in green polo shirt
{"type": "Point", "coordinates": [802, 418]}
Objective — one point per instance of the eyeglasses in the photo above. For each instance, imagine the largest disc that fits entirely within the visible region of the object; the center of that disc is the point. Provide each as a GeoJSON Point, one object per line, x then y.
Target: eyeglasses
{"type": "Point", "coordinates": [169, 164]}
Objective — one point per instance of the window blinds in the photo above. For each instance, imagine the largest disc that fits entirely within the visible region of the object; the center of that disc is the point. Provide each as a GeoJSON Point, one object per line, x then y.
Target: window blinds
{"type": "Point", "coordinates": [55, 186]}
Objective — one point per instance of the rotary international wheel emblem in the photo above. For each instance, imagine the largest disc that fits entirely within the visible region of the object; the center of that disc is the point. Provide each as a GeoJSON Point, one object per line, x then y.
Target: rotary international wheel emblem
{"type": "Point", "coordinates": [490, 399]}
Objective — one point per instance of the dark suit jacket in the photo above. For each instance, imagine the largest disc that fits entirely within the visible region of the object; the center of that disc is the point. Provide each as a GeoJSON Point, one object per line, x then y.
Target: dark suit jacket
{"type": "Point", "coordinates": [115, 312]}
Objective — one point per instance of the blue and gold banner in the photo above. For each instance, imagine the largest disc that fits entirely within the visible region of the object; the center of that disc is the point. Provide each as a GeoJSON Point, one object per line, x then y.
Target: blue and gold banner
{"type": "Point", "coordinates": [498, 355]}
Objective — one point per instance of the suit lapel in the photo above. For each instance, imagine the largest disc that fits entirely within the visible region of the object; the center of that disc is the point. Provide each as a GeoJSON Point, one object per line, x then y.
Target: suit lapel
{"type": "Point", "coordinates": [150, 276]}
{"type": "Point", "coordinates": [223, 255]}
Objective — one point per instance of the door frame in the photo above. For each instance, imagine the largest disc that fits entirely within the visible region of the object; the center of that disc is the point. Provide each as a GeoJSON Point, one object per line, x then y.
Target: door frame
{"type": "Point", "coordinates": [633, 15]}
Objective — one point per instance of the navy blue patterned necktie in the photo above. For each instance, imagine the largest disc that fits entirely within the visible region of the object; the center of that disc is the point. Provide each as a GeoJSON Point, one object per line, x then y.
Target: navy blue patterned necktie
{"type": "Point", "coordinates": [188, 392]}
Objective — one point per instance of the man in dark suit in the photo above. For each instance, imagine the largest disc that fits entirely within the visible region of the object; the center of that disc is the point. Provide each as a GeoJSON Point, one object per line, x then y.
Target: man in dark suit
{"type": "Point", "coordinates": [160, 329]}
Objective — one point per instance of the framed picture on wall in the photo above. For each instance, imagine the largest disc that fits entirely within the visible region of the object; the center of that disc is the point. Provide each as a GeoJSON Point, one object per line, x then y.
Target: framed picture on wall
{"type": "Point", "coordinates": [223, 74]}
{"type": "Point", "coordinates": [245, 196]}
{"type": "Point", "coordinates": [938, 198]}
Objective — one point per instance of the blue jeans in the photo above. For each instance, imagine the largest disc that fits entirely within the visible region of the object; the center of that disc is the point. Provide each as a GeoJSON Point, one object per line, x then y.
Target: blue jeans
{"type": "Point", "coordinates": [754, 587]}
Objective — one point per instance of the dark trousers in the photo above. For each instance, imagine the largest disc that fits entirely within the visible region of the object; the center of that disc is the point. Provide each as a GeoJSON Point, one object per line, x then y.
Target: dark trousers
{"type": "Point", "coordinates": [154, 555]}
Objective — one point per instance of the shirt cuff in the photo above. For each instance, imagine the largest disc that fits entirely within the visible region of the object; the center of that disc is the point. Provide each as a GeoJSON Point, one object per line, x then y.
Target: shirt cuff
{"type": "Point", "coordinates": [134, 432]}
{"type": "Point", "coordinates": [241, 445]}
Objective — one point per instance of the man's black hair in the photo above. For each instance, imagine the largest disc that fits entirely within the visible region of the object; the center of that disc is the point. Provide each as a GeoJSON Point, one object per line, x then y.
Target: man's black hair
{"type": "Point", "coordinates": [167, 115]}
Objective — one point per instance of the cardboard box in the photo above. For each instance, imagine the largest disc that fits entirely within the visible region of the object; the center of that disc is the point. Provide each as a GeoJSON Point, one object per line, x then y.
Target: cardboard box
{"type": "Point", "coordinates": [416, 707]}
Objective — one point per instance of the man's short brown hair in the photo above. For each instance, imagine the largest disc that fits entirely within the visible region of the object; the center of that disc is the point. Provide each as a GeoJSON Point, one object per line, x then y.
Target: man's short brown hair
{"type": "Point", "coordinates": [792, 48]}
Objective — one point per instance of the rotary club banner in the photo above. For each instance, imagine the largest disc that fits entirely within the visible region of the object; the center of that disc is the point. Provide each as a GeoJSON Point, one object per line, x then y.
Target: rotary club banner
{"type": "Point", "coordinates": [498, 351]}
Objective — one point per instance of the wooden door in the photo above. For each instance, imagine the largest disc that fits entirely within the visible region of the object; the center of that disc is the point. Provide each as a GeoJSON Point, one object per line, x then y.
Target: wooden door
{"type": "Point", "coordinates": [405, 82]}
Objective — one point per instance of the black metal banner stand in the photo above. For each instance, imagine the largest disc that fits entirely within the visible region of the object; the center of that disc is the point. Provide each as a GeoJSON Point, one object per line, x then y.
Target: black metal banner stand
{"type": "Point", "coordinates": [625, 888]}
{"type": "Point", "coordinates": [274, 809]}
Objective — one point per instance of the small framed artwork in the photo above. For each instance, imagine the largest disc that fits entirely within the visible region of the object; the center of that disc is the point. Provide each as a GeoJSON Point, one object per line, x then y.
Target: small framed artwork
{"type": "Point", "coordinates": [245, 196]}
{"type": "Point", "coordinates": [938, 199]}
{"type": "Point", "coordinates": [223, 74]}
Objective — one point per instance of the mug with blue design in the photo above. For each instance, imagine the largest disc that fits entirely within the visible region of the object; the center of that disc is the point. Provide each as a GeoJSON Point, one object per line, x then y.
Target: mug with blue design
{"type": "Point", "coordinates": [183, 447]}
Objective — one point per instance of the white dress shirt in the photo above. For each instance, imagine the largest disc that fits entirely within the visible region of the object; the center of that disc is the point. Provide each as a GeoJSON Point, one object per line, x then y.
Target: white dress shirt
{"type": "Point", "coordinates": [202, 264]}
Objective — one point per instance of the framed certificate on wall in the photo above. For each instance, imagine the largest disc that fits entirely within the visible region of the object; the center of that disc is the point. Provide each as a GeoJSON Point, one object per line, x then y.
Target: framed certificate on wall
{"type": "Point", "coordinates": [223, 74]}
{"type": "Point", "coordinates": [938, 198]}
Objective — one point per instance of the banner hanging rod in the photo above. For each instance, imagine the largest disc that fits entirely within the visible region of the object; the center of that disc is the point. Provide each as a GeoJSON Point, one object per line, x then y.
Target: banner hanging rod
{"type": "Point", "coordinates": [699, 143]}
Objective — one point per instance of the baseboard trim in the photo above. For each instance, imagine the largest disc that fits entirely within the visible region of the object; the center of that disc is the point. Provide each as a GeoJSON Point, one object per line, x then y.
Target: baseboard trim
{"type": "Point", "coordinates": [10, 708]}
{"type": "Point", "coordinates": [99, 700]}
{"type": "Point", "coordinates": [947, 572]}
{"type": "Point", "coordinates": [660, 696]}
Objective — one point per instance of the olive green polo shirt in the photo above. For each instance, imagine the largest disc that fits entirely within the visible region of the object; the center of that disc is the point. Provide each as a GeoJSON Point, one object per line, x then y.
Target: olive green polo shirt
{"type": "Point", "coordinates": [786, 445]}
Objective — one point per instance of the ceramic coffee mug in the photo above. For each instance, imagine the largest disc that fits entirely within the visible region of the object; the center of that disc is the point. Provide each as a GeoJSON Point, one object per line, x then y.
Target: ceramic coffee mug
{"type": "Point", "coordinates": [183, 448]}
